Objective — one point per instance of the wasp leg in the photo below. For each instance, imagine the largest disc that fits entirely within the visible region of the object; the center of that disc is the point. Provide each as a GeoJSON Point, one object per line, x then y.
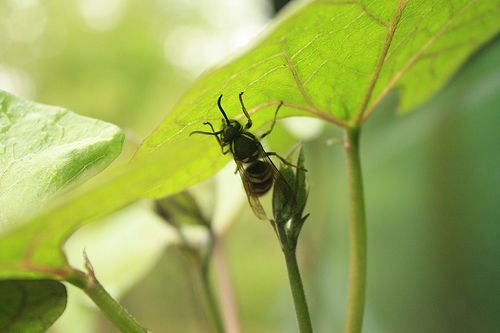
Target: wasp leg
{"type": "Point", "coordinates": [274, 121]}
{"type": "Point", "coordinates": [249, 123]}
{"type": "Point", "coordinates": [284, 160]}
{"type": "Point", "coordinates": [209, 124]}
{"type": "Point", "coordinates": [216, 134]}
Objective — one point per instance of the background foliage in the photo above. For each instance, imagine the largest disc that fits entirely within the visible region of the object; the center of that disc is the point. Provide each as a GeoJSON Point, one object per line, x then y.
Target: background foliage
{"type": "Point", "coordinates": [432, 178]}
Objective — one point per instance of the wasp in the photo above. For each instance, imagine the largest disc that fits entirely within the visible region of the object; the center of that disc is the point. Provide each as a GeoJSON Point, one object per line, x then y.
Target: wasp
{"type": "Point", "coordinates": [260, 173]}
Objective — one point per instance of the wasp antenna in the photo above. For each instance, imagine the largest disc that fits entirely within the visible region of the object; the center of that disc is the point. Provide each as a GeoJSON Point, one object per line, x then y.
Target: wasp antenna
{"type": "Point", "coordinates": [207, 133]}
{"type": "Point", "coordinates": [220, 108]}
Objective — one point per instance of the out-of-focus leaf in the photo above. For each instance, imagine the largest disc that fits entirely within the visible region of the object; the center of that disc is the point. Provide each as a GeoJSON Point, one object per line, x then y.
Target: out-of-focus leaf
{"type": "Point", "coordinates": [30, 306]}
{"type": "Point", "coordinates": [122, 247]}
{"type": "Point", "coordinates": [180, 209]}
{"type": "Point", "coordinates": [45, 150]}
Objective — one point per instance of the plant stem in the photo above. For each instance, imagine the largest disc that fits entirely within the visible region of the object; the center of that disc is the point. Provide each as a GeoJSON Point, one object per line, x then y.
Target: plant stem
{"type": "Point", "coordinates": [211, 302]}
{"type": "Point", "coordinates": [114, 311]}
{"type": "Point", "coordinates": [297, 289]}
{"type": "Point", "coordinates": [199, 267]}
{"type": "Point", "coordinates": [357, 269]}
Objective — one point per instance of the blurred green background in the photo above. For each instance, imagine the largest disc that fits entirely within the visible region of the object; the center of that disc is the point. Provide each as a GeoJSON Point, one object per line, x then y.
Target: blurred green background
{"type": "Point", "coordinates": [432, 177]}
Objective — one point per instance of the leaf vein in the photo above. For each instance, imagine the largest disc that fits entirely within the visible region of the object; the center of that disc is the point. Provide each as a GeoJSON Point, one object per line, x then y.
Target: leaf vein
{"type": "Point", "coordinates": [419, 55]}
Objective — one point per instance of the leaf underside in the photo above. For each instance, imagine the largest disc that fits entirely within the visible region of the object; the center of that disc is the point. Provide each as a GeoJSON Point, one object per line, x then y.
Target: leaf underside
{"type": "Point", "coordinates": [334, 60]}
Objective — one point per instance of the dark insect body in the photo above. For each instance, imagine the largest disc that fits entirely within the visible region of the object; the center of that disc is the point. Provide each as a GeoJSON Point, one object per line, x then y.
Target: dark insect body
{"type": "Point", "coordinates": [260, 174]}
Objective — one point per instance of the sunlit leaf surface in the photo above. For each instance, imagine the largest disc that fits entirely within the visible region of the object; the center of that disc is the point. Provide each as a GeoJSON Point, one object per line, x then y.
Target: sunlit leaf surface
{"type": "Point", "coordinates": [45, 150]}
{"type": "Point", "coordinates": [329, 59]}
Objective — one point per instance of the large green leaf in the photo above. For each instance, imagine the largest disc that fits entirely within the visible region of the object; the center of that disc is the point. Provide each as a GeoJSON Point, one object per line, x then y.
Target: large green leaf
{"type": "Point", "coordinates": [30, 306]}
{"type": "Point", "coordinates": [329, 59]}
{"type": "Point", "coordinates": [46, 150]}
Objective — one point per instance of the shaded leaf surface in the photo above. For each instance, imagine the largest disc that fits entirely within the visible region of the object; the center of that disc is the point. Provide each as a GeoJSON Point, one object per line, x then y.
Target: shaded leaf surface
{"type": "Point", "coordinates": [30, 306]}
{"type": "Point", "coordinates": [45, 150]}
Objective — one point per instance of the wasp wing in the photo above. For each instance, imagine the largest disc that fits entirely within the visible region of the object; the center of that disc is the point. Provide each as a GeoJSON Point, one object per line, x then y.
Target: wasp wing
{"type": "Point", "coordinates": [253, 197]}
{"type": "Point", "coordinates": [279, 181]}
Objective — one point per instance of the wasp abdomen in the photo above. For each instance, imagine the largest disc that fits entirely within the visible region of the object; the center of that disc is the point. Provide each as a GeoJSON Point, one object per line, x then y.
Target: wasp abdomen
{"type": "Point", "coordinates": [260, 177]}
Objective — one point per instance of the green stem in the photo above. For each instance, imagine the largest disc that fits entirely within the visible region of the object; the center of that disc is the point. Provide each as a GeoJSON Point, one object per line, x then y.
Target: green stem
{"type": "Point", "coordinates": [199, 267]}
{"type": "Point", "coordinates": [297, 289]}
{"type": "Point", "coordinates": [212, 304]}
{"type": "Point", "coordinates": [114, 311]}
{"type": "Point", "coordinates": [357, 269]}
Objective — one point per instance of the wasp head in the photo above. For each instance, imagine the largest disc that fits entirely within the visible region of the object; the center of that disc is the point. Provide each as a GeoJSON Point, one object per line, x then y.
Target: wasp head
{"type": "Point", "coordinates": [230, 130]}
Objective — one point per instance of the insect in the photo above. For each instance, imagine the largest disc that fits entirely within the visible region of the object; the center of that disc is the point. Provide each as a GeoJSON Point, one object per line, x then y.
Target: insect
{"type": "Point", "coordinates": [260, 174]}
